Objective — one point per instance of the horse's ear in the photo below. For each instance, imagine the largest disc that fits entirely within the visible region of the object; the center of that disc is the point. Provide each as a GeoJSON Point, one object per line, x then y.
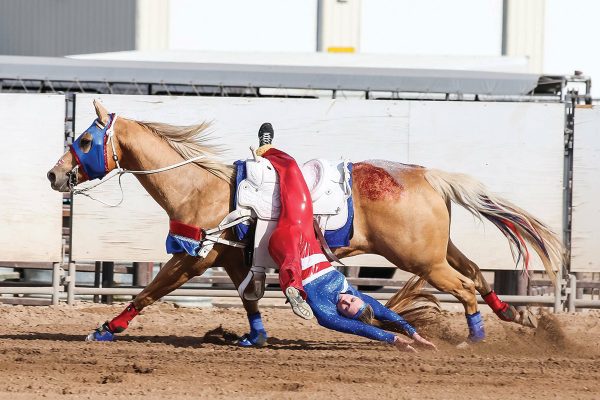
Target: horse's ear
{"type": "Point", "coordinates": [101, 112]}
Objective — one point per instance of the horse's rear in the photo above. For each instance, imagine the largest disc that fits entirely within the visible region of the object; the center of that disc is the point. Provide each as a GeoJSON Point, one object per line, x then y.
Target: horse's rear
{"type": "Point", "coordinates": [399, 215]}
{"type": "Point", "coordinates": [402, 212]}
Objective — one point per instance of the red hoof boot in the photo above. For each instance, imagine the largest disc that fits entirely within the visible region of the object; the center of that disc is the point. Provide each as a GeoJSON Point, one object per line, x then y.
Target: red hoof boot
{"type": "Point", "coordinates": [503, 310]}
{"type": "Point", "coordinates": [508, 314]}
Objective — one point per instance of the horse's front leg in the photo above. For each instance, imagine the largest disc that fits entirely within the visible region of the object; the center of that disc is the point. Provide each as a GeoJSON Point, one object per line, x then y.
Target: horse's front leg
{"type": "Point", "coordinates": [177, 271]}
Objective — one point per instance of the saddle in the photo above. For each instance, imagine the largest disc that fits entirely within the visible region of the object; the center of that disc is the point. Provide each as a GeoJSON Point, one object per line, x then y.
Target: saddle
{"type": "Point", "coordinates": [329, 186]}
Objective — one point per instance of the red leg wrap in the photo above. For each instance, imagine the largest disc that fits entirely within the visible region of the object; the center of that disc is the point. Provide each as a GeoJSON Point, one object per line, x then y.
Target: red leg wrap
{"type": "Point", "coordinates": [121, 321]}
{"type": "Point", "coordinates": [503, 310]}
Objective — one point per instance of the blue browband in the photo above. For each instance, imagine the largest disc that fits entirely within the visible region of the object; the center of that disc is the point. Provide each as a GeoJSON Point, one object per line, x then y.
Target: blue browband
{"type": "Point", "coordinates": [94, 163]}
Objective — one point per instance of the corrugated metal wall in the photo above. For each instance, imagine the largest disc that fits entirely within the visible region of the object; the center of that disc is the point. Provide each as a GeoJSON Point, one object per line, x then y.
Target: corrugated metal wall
{"type": "Point", "coordinates": [61, 27]}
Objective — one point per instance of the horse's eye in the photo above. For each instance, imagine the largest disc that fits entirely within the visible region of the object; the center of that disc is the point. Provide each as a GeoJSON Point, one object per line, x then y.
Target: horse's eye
{"type": "Point", "coordinates": [86, 142]}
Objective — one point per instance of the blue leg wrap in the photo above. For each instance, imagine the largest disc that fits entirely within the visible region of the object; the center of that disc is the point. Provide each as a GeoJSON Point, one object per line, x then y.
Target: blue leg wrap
{"type": "Point", "coordinates": [257, 336]}
{"type": "Point", "coordinates": [476, 331]}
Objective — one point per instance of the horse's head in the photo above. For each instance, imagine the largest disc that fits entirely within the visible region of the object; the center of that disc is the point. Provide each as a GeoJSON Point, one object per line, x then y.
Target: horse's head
{"type": "Point", "coordinates": [93, 154]}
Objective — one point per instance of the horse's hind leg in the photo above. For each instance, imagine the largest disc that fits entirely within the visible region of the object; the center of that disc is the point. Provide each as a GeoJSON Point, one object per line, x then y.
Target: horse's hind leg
{"type": "Point", "coordinates": [468, 268]}
{"type": "Point", "coordinates": [445, 278]}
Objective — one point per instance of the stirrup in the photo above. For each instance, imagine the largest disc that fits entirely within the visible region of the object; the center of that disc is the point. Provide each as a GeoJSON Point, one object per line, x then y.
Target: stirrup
{"type": "Point", "coordinates": [299, 306]}
{"type": "Point", "coordinates": [252, 287]}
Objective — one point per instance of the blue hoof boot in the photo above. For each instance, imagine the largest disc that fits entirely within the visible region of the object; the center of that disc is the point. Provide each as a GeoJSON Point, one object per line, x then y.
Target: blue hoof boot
{"type": "Point", "coordinates": [476, 330]}
{"type": "Point", "coordinates": [102, 334]}
{"type": "Point", "coordinates": [253, 339]}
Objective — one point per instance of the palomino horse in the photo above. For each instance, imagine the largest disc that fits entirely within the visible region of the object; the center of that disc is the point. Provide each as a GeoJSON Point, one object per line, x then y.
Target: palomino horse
{"type": "Point", "coordinates": [402, 212]}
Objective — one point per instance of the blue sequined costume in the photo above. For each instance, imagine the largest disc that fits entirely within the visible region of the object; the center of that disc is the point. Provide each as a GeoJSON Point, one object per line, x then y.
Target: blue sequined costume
{"type": "Point", "coordinates": [322, 296]}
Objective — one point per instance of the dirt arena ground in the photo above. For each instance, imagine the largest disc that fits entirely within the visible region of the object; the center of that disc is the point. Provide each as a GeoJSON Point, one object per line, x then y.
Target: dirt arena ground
{"type": "Point", "coordinates": [188, 353]}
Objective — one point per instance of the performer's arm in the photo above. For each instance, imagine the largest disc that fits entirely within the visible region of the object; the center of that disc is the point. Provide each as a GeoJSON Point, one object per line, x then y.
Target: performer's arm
{"type": "Point", "coordinates": [332, 320]}
{"type": "Point", "coordinates": [382, 313]}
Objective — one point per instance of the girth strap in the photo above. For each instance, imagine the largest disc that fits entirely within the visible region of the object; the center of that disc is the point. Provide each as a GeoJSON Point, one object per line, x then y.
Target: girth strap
{"type": "Point", "coordinates": [328, 253]}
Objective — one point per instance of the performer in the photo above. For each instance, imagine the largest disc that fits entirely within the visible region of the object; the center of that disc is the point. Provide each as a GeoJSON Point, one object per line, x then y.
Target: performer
{"type": "Point", "coordinates": [305, 272]}
{"type": "Point", "coordinates": [293, 244]}
{"type": "Point", "coordinates": [339, 306]}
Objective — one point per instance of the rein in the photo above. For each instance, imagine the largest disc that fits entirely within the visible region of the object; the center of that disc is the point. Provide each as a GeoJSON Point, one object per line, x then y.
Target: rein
{"type": "Point", "coordinates": [120, 172]}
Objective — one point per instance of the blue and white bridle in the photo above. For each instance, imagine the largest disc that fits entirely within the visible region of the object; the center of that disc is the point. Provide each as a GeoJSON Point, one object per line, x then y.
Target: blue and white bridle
{"type": "Point", "coordinates": [94, 163]}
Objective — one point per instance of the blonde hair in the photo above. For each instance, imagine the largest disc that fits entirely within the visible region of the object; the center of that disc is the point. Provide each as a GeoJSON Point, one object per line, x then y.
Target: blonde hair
{"type": "Point", "coordinates": [368, 315]}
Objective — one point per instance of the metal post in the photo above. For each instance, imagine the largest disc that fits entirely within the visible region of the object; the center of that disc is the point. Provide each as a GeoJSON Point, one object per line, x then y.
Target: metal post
{"type": "Point", "coordinates": [580, 277]}
{"type": "Point", "coordinates": [504, 43]}
{"type": "Point", "coordinates": [142, 273]}
{"type": "Point", "coordinates": [572, 292]}
{"type": "Point", "coordinates": [71, 285]}
{"type": "Point", "coordinates": [97, 270]}
{"type": "Point", "coordinates": [55, 283]}
{"type": "Point", "coordinates": [569, 138]}
{"type": "Point", "coordinates": [522, 284]}
{"type": "Point", "coordinates": [320, 22]}
{"type": "Point", "coordinates": [558, 292]}
{"type": "Point", "coordinates": [108, 277]}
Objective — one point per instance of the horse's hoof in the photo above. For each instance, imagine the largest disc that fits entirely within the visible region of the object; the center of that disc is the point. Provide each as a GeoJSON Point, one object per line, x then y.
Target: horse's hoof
{"type": "Point", "coordinates": [249, 341]}
{"type": "Point", "coordinates": [528, 319]}
{"type": "Point", "coordinates": [473, 339]}
{"type": "Point", "coordinates": [100, 335]}
{"type": "Point", "coordinates": [509, 313]}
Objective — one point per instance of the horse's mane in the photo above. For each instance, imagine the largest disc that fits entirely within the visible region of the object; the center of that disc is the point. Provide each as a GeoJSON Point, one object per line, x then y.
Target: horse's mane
{"type": "Point", "coordinates": [191, 141]}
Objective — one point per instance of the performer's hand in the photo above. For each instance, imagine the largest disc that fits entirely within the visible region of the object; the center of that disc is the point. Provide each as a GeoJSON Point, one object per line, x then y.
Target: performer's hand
{"type": "Point", "coordinates": [404, 344]}
{"type": "Point", "coordinates": [423, 342]}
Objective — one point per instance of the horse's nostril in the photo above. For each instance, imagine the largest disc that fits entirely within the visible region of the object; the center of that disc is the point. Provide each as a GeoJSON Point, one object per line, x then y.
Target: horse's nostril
{"type": "Point", "coordinates": [51, 177]}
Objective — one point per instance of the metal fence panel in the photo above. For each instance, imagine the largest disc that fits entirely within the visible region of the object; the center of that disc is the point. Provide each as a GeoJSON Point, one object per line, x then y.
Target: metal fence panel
{"type": "Point", "coordinates": [585, 252]}
{"type": "Point", "coordinates": [136, 230]}
{"type": "Point", "coordinates": [515, 149]}
{"type": "Point", "coordinates": [32, 139]}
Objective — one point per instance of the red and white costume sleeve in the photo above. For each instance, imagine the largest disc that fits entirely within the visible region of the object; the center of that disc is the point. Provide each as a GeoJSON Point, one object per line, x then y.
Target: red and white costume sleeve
{"type": "Point", "coordinates": [293, 244]}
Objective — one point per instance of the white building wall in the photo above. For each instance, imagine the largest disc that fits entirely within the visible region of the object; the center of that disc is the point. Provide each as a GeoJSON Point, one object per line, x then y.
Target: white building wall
{"type": "Point", "coordinates": [525, 31]}
{"type": "Point", "coordinates": [341, 22]}
{"type": "Point", "coordinates": [571, 35]}
{"type": "Point", "coordinates": [242, 25]}
{"type": "Point", "coordinates": [152, 25]}
{"type": "Point", "coordinates": [434, 27]}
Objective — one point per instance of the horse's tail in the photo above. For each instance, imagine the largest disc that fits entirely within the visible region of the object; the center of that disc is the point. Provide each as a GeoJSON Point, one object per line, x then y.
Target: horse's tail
{"type": "Point", "coordinates": [516, 224]}
{"type": "Point", "coordinates": [418, 308]}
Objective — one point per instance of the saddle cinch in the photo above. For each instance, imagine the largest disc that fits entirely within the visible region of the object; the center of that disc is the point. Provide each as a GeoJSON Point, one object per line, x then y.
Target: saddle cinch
{"type": "Point", "coordinates": [329, 185]}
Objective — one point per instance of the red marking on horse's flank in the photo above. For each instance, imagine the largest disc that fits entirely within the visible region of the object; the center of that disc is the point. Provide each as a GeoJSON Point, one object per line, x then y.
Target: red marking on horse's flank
{"type": "Point", "coordinates": [375, 183]}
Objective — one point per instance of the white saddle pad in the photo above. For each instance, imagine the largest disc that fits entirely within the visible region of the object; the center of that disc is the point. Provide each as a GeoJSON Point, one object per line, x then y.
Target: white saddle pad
{"type": "Point", "coordinates": [328, 184]}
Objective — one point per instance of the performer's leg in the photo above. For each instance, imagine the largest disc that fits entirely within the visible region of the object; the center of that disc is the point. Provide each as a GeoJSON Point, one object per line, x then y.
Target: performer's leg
{"type": "Point", "coordinates": [284, 247]}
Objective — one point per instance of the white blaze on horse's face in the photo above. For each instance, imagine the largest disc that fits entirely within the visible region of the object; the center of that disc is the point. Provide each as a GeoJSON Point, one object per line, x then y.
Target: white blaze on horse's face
{"type": "Point", "coordinates": [60, 174]}
{"type": "Point", "coordinates": [348, 305]}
